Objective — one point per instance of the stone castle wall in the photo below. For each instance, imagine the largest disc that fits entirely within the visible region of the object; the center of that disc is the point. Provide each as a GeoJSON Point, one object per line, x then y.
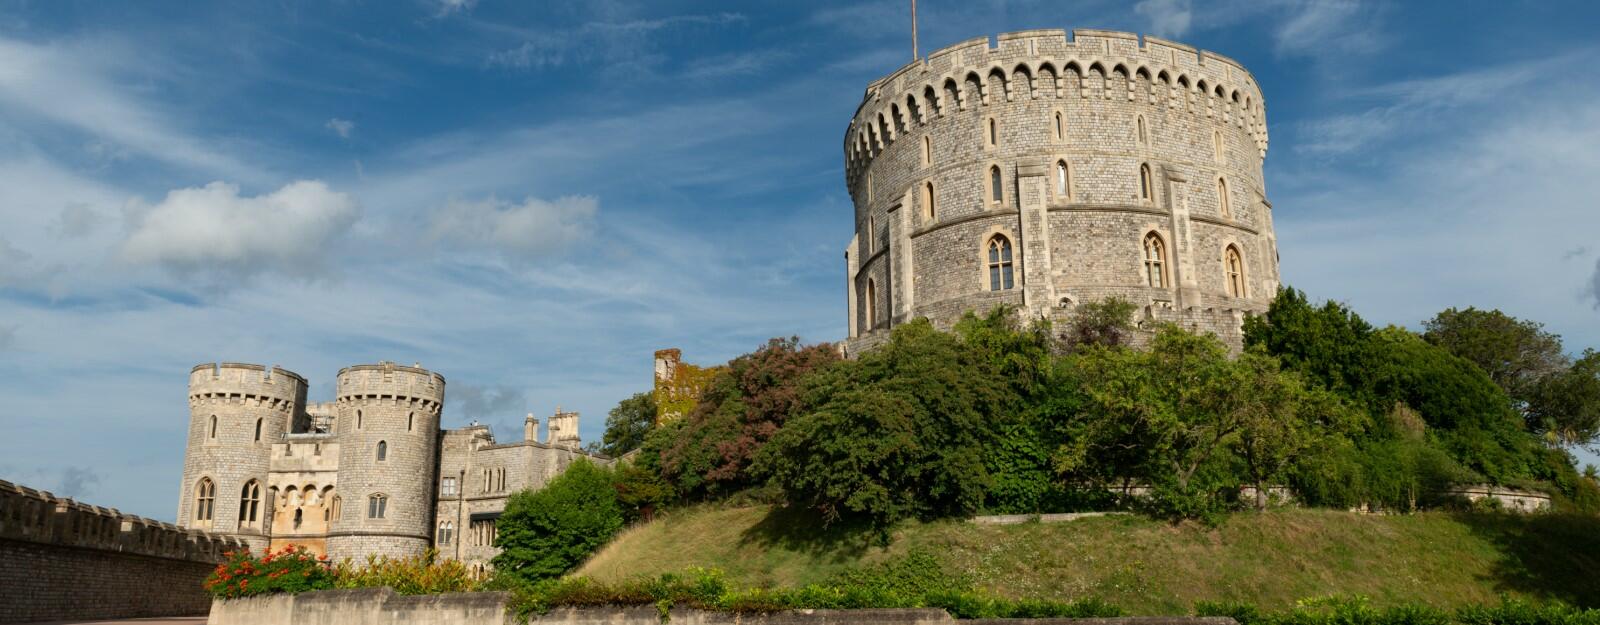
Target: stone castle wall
{"type": "Point", "coordinates": [397, 408]}
{"type": "Point", "coordinates": [1071, 124]}
{"type": "Point", "coordinates": [61, 559]}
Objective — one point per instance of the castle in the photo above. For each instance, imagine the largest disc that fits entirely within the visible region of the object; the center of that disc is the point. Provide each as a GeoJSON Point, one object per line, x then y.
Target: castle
{"type": "Point", "coordinates": [1045, 172]}
{"type": "Point", "coordinates": [370, 472]}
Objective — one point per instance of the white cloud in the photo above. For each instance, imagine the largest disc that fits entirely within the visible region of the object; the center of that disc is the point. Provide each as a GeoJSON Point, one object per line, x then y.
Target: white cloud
{"type": "Point", "coordinates": [603, 42]}
{"type": "Point", "coordinates": [214, 229]}
{"type": "Point", "coordinates": [447, 7]}
{"type": "Point", "coordinates": [1168, 18]}
{"type": "Point", "coordinates": [8, 336]}
{"type": "Point", "coordinates": [12, 263]}
{"type": "Point", "coordinates": [531, 229]}
{"type": "Point", "coordinates": [341, 127]}
{"type": "Point", "coordinates": [1328, 28]}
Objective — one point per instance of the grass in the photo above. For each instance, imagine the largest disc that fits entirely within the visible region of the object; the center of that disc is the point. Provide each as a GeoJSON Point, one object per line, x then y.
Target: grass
{"type": "Point", "coordinates": [1148, 567]}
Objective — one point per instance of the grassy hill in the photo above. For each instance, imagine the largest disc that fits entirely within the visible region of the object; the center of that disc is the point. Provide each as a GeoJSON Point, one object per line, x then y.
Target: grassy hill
{"type": "Point", "coordinates": [1149, 567]}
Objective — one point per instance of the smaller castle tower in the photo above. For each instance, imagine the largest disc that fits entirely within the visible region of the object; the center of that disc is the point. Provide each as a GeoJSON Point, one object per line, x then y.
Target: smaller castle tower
{"type": "Point", "coordinates": [564, 429]}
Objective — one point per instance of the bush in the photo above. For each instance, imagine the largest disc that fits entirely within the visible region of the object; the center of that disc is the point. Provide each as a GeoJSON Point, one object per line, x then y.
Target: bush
{"type": "Point", "coordinates": [291, 570]}
{"type": "Point", "coordinates": [545, 533]}
{"type": "Point", "coordinates": [414, 575]}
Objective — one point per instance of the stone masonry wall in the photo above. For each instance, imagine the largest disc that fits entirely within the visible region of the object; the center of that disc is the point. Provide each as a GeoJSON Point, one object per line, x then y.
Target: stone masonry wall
{"type": "Point", "coordinates": [1070, 123]}
{"type": "Point", "coordinates": [64, 560]}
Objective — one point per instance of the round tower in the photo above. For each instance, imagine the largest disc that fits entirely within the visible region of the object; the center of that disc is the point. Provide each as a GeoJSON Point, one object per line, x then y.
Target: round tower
{"type": "Point", "coordinates": [387, 422]}
{"type": "Point", "coordinates": [1044, 171]}
{"type": "Point", "coordinates": [236, 412]}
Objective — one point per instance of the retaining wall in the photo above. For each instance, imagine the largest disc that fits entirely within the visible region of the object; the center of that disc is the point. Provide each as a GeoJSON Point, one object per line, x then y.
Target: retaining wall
{"type": "Point", "coordinates": [381, 606]}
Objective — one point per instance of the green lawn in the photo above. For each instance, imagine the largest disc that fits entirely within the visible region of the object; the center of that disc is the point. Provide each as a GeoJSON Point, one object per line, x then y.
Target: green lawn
{"type": "Point", "coordinates": [1149, 567]}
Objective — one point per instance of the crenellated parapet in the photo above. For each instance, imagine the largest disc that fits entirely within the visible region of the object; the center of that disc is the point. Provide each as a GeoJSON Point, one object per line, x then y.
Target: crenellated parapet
{"type": "Point", "coordinates": [239, 383]}
{"type": "Point", "coordinates": [388, 381]}
{"type": "Point", "coordinates": [1048, 64]}
{"type": "Point", "coordinates": [37, 516]}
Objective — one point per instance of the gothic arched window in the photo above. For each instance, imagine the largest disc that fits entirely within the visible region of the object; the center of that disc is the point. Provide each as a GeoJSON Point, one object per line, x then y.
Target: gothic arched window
{"type": "Point", "coordinates": [927, 150]}
{"type": "Point", "coordinates": [1000, 266]}
{"type": "Point", "coordinates": [1233, 264]}
{"type": "Point", "coordinates": [1061, 127]}
{"type": "Point", "coordinates": [446, 531]}
{"type": "Point", "coordinates": [994, 133]}
{"type": "Point", "coordinates": [383, 451]}
{"type": "Point", "coordinates": [411, 418]}
{"type": "Point", "coordinates": [213, 426]}
{"type": "Point", "coordinates": [258, 430]}
{"type": "Point", "coordinates": [872, 304]}
{"type": "Point", "coordinates": [1155, 260]}
{"type": "Point", "coordinates": [377, 506]}
{"type": "Point", "coordinates": [249, 502]}
{"type": "Point", "coordinates": [1223, 206]}
{"type": "Point", "coordinates": [1063, 180]}
{"type": "Point", "coordinates": [205, 499]}
{"type": "Point", "coordinates": [927, 200]}
{"type": "Point", "coordinates": [996, 188]}
{"type": "Point", "coordinates": [1144, 137]}
{"type": "Point", "coordinates": [1146, 192]}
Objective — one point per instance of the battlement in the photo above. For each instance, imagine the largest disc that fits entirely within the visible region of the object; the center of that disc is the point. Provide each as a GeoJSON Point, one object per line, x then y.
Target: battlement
{"type": "Point", "coordinates": [1051, 64]}
{"type": "Point", "coordinates": [275, 388]}
{"type": "Point", "coordinates": [387, 380]}
{"type": "Point", "coordinates": [37, 516]}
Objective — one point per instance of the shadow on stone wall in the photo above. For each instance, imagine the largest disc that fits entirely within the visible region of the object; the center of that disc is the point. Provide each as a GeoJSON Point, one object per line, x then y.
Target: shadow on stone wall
{"type": "Point", "coordinates": [1550, 556]}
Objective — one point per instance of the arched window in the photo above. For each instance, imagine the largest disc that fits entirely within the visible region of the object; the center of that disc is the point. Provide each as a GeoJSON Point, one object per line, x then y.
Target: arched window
{"type": "Point", "coordinates": [1216, 145]}
{"type": "Point", "coordinates": [410, 419]}
{"type": "Point", "coordinates": [996, 189]}
{"type": "Point", "coordinates": [1233, 264]}
{"type": "Point", "coordinates": [358, 419]}
{"type": "Point", "coordinates": [1063, 180]}
{"type": "Point", "coordinates": [1145, 190]}
{"type": "Point", "coordinates": [258, 430]}
{"type": "Point", "coordinates": [927, 200]}
{"type": "Point", "coordinates": [213, 426]}
{"type": "Point", "coordinates": [383, 451]}
{"type": "Point", "coordinates": [1000, 265]}
{"type": "Point", "coordinates": [1144, 138]}
{"type": "Point", "coordinates": [377, 506]}
{"type": "Point", "coordinates": [205, 499]}
{"type": "Point", "coordinates": [335, 509]}
{"type": "Point", "coordinates": [299, 516]}
{"type": "Point", "coordinates": [249, 502]}
{"type": "Point", "coordinates": [872, 304]}
{"type": "Point", "coordinates": [994, 133]}
{"type": "Point", "coordinates": [1155, 261]}
{"type": "Point", "coordinates": [927, 150]}
{"type": "Point", "coordinates": [1223, 205]}
{"type": "Point", "coordinates": [446, 532]}
{"type": "Point", "coordinates": [1061, 127]}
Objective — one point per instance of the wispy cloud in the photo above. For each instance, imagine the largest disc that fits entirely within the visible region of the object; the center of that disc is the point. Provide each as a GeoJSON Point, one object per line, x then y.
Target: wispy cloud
{"type": "Point", "coordinates": [594, 42]}
{"type": "Point", "coordinates": [341, 127]}
{"type": "Point", "coordinates": [1329, 28]}
{"type": "Point", "coordinates": [1168, 18]}
{"type": "Point", "coordinates": [8, 336]}
{"type": "Point", "coordinates": [531, 229]}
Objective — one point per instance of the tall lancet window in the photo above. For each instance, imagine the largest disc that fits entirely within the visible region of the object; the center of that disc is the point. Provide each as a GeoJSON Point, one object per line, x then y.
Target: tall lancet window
{"type": "Point", "coordinates": [1001, 274]}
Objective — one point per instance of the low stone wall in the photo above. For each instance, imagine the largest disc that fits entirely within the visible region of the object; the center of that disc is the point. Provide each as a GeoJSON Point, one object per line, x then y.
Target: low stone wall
{"type": "Point", "coordinates": [381, 606]}
{"type": "Point", "coordinates": [65, 560]}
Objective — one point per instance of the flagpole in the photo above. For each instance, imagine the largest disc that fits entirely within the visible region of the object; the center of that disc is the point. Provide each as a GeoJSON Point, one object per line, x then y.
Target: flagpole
{"type": "Point", "coordinates": [915, 53]}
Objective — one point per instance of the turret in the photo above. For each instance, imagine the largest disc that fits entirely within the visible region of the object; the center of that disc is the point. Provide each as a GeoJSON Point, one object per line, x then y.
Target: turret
{"type": "Point", "coordinates": [387, 422]}
{"type": "Point", "coordinates": [236, 412]}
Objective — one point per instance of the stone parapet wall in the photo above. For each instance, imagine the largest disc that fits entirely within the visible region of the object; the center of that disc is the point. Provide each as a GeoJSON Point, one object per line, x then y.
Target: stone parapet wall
{"type": "Point", "coordinates": [61, 559]}
{"type": "Point", "coordinates": [381, 606]}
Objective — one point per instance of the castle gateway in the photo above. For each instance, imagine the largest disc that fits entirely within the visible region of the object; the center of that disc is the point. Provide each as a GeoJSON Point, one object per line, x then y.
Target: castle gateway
{"type": "Point", "coordinates": [369, 473]}
{"type": "Point", "coordinates": [1043, 173]}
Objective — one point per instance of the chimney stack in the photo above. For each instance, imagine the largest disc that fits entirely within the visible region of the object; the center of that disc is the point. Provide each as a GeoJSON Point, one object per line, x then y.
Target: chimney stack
{"type": "Point", "coordinates": [530, 429]}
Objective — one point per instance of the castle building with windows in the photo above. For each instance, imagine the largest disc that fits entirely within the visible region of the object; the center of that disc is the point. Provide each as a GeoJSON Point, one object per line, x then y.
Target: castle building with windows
{"type": "Point", "coordinates": [369, 473]}
{"type": "Point", "coordinates": [1044, 171]}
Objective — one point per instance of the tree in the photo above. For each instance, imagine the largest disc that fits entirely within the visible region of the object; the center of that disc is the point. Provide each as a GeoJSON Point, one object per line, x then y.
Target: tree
{"type": "Point", "coordinates": [1565, 405]}
{"type": "Point", "coordinates": [1329, 344]}
{"type": "Point", "coordinates": [547, 532]}
{"type": "Point", "coordinates": [742, 407]}
{"type": "Point", "coordinates": [1107, 322]}
{"type": "Point", "coordinates": [899, 433]}
{"type": "Point", "coordinates": [1285, 421]}
{"type": "Point", "coordinates": [628, 423]}
{"type": "Point", "coordinates": [1516, 354]}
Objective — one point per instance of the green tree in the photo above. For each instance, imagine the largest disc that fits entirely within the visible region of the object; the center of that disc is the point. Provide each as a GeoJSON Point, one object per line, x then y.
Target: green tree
{"type": "Point", "coordinates": [547, 532]}
{"type": "Point", "coordinates": [1565, 405]}
{"type": "Point", "coordinates": [1515, 353]}
{"type": "Point", "coordinates": [899, 433]}
{"type": "Point", "coordinates": [1329, 344]}
{"type": "Point", "coordinates": [628, 423]}
{"type": "Point", "coordinates": [1107, 323]}
{"type": "Point", "coordinates": [1285, 421]}
{"type": "Point", "coordinates": [742, 407]}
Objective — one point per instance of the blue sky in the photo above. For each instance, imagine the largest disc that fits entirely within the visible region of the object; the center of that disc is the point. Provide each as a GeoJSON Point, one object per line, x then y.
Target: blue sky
{"type": "Point", "coordinates": [530, 198]}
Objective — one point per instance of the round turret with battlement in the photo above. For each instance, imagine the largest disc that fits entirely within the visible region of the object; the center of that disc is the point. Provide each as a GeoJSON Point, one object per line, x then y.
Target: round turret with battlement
{"type": "Point", "coordinates": [387, 423]}
{"type": "Point", "coordinates": [236, 412]}
{"type": "Point", "coordinates": [1044, 171]}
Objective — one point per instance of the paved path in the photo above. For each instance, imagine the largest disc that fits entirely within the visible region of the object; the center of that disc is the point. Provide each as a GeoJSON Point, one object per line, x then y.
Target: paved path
{"type": "Point", "coordinates": [160, 620]}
